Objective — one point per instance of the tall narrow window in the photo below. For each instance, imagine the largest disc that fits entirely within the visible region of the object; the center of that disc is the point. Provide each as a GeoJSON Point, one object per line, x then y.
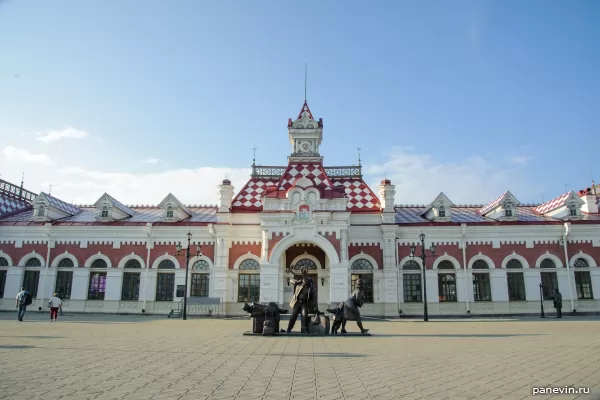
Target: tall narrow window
{"type": "Point", "coordinates": [31, 281]}
{"type": "Point", "coordinates": [515, 280]}
{"type": "Point", "coordinates": [508, 210]}
{"type": "Point", "coordinates": [41, 211]}
{"type": "Point", "coordinates": [200, 281]}
{"type": "Point", "coordinates": [481, 281]}
{"type": "Point", "coordinates": [549, 279]}
{"type": "Point", "coordinates": [583, 280]}
{"type": "Point", "coordinates": [2, 282]}
{"type": "Point", "coordinates": [104, 212]}
{"type": "Point", "coordinates": [411, 277]}
{"type": "Point", "coordinates": [573, 210]}
{"type": "Point", "coordinates": [3, 262]}
{"type": "Point", "coordinates": [165, 281]}
{"type": "Point", "coordinates": [170, 212]}
{"type": "Point", "coordinates": [363, 269]}
{"type": "Point", "coordinates": [97, 287]}
{"type": "Point", "coordinates": [446, 282]}
{"type": "Point", "coordinates": [249, 281]}
{"type": "Point", "coordinates": [131, 286]}
{"type": "Point", "coordinates": [64, 282]}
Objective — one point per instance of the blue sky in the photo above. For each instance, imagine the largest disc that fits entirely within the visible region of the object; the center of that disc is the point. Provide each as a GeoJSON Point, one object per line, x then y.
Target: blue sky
{"type": "Point", "coordinates": [470, 97]}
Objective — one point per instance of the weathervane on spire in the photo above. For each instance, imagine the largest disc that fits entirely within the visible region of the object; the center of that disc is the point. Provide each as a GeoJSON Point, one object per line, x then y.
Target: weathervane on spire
{"type": "Point", "coordinates": [254, 156]}
{"type": "Point", "coordinates": [359, 149]}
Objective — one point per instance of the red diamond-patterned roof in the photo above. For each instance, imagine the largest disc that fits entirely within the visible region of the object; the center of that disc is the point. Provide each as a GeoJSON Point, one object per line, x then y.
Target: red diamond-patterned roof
{"type": "Point", "coordinates": [305, 108]}
{"type": "Point", "coordinates": [553, 204]}
{"type": "Point", "coordinates": [360, 197]}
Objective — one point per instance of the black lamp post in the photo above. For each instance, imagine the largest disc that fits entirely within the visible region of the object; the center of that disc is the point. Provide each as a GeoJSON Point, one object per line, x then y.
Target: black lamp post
{"type": "Point", "coordinates": [187, 267]}
{"type": "Point", "coordinates": [542, 301]}
{"type": "Point", "coordinates": [423, 258]}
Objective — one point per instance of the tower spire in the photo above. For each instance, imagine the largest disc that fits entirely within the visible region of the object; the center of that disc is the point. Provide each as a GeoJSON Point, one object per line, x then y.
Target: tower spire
{"type": "Point", "coordinates": [305, 79]}
{"type": "Point", "coordinates": [22, 180]}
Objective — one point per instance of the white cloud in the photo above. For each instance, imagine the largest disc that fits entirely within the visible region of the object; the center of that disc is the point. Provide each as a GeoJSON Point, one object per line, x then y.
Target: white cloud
{"type": "Point", "coordinates": [68, 132]}
{"type": "Point", "coordinates": [19, 156]}
{"type": "Point", "coordinates": [519, 159]}
{"type": "Point", "coordinates": [419, 178]}
{"type": "Point", "coordinates": [83, 186]}
{"type": "Point", "coordinates": [150, 161]}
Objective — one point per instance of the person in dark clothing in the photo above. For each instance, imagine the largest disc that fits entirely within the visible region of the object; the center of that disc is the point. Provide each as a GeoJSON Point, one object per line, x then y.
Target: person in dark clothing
{"type": "Point", "coordinates": [558, 303]}
{"type": "Point", "coordinates": [22, 303]}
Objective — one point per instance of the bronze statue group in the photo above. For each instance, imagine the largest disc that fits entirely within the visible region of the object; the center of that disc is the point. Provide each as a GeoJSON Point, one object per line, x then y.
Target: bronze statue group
{"type": "Point", "coordinates": [304, 302]}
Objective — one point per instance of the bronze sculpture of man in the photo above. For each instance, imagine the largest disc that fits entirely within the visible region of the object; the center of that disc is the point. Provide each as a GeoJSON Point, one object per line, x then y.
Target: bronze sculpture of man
{"type": "Point", "coordinates": [303, 300]}
{"type": "Point", "coordinates": [348, 310]}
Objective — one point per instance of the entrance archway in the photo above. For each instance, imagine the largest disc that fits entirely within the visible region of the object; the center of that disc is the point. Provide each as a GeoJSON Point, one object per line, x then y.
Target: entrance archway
{"type": "Point", "coordinates": [318, 240]}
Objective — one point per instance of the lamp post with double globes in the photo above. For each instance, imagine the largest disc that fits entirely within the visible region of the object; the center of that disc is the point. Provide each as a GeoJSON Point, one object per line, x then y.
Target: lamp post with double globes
{"type": "Point", "coordinates": [187, 264]}
{"type": "Point", "coordinates": [423, 258]}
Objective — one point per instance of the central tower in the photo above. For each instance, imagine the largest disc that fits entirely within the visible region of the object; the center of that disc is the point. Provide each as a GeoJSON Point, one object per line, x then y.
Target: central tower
{"type": "Point", "coordinates": [305, 136]}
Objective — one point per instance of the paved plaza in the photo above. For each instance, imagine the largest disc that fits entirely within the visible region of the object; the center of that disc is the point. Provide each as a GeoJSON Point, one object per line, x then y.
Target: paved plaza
{"type": "Point", "coordinates": [124, 357]}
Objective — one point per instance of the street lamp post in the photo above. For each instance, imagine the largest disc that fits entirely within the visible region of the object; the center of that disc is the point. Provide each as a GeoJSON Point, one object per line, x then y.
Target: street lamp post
{"type": "Point", "coordinates": [187, 266]}
{"type": "Point", "coordinates": [542, 301]}
{"type": "Point", "coordinates": [423, 258]}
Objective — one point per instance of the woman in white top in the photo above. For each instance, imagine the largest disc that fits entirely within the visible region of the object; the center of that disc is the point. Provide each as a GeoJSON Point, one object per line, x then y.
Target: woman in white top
{"type": "Point", "coordinates": [55, 303]}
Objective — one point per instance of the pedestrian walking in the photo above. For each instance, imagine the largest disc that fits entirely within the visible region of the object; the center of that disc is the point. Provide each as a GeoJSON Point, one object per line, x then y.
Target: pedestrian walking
{"type": "Point", "coordinates": [23, 300]}
{"type": "Point", "coordinates": [55, 303]}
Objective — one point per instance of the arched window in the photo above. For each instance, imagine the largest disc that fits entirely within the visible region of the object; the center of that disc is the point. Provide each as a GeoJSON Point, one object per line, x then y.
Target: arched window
{"type": "Point", "coordinates": [33, 262]}
{"type": "Point", "coordinates": [358, 266]}
{"type": "Point", "coordinates": [130, 290]}
{"type": "Point", "coordinates": [411, 278]}
{"type": "Point", "coordinates": [411, 265]}
{"type": "Point", "coordinates": [249, 264]}
{"type": "Point", "coordinates": [446, 282]}
{"type": "Point", "coordinates": [249, 281]}
{"type": "Point", "coordinates": [549, 278]}
{"type": "Point", "coordinates": [362, 264]}
{"type": "Point", "coordinates": [132, 263]}
{"type": "Point", "coordinates": [200, 279]}
{"type": "Point", "coordinates": [3, 262]}
{"type": "Point", "coordinates": [581, 263]}
{"type": "Point", "coordinates": [169, 212]}
{"type": "Point", "coordinates": [480, 264]}
{"type": "Point", "coordinates": [166, 264]}
{"type": "Point", "coordinates": [165, 281]}
{"type": "Point", "coordinates": [508, 210]}
{"type": "Point", "coordinates": [441, 212]}
{"type": "Point", "coordinates": [104, 212]}
{"type": "Point", "coordinates": [515, 280]}
{"type": "Point", "coordinates": [482, 290]}
{"type": "Point", "coordinates": [201, 264]}
{"type": "Point", "coordinates": [583, 280]}
{"type": "Point", "coordinates": [99, 263]}
{"type": "Point", "coordinates": [66, 263]}
{"type": "Point", "coordinates": [64, 279]}
{"type": "Point", "coordinates": [305, 262]}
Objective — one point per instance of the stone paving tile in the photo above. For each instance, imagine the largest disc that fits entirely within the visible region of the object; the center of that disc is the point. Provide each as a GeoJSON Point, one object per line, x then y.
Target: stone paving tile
{"type": "Point", "coordinates": [134, 358]}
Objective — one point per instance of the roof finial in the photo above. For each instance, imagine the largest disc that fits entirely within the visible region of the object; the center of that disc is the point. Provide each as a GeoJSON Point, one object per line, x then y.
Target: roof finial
{"type": "Point", "coordinates": [50, 190]}
{"type": "Point", "coordinates": [22, 180]}
{"type": "Point", "coordinates": [305, 79]}
{"type": "Point", "coordinates": [593, 183]}
{"type": "Point", "coordinates": [254, 156]}
{"type": "Point", "coordinates": [359, 149]}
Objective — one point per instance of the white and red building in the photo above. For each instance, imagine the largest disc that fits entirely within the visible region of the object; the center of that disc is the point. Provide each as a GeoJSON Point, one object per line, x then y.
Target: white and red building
{"type": "Point", "coordinates": [490, 259]}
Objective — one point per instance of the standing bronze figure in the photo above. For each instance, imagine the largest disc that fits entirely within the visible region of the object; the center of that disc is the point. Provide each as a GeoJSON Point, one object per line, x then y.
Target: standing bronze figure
{"type": "Point", "coordinates": [303, 301]}
{"type": "Point", "coordinates": [558, 303]}
{"type": "Point", "coordinates": [348, 310]}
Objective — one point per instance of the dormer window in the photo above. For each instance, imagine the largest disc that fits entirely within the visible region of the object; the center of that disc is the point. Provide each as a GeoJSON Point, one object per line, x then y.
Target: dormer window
{"type": "Point", "coordinates": [170, 212]}
{"type": "Point", "coordinates": [104, 212]}
{"type": "Point", "coordinates": [508, 211]}
{"type": "Point", "coordinates": [41, 211]}
{"type": "Point", "coordinates": [573, 211]}
{"type": "Point", "coordinates": [441, 212]}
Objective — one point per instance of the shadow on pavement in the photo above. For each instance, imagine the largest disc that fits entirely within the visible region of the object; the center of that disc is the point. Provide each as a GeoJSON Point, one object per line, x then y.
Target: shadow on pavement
{"type": "Point", "coordinates": [34, 337]}
{"type": "Point", "coordinates": [454, 335]}
{"type": "Point", "coordinates": [16, 347]}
